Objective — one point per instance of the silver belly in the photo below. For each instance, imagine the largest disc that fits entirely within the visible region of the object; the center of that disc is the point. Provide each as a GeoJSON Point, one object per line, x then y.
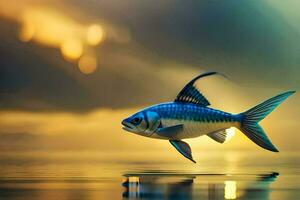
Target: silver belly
{"type": "Point", "coordinates": [192, 129]}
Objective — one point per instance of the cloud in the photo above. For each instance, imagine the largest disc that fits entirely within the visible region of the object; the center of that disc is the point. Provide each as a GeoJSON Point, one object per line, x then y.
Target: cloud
{"type": "Point", "coordinates": [208, 37]}
{"type": "Point", "coordinates": [101, 130]}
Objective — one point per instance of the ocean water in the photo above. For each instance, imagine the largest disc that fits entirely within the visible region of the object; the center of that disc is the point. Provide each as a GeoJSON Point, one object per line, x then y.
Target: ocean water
{"type": "Point", "coordinates": [149, 175]}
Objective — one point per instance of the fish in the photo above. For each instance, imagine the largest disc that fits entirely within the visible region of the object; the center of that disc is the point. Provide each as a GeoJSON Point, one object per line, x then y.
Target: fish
{"type": "Point", "coordinates": [190, 116]}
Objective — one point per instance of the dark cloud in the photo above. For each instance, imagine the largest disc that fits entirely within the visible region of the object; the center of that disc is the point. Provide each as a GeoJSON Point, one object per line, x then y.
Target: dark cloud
{"type": "Point", "coordinates": [250, 42]}
{"type": "Point", "coordinates": [36, 78]}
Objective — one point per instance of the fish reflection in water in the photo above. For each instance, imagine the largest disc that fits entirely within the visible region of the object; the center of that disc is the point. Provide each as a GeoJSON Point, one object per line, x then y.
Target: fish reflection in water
{"type": "Point", "coordinates": [149, 185]}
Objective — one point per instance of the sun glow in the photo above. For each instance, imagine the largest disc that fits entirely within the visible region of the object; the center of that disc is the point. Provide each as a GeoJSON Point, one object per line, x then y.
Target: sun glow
{"type": "Point", "coordinates": [230, 132]}
{"type": "Point", "coordinates": [230, 190]}
{"type": "Point", "coordinates": [60, 28]}
{"type": "Point", "coordinates": [51, 28]}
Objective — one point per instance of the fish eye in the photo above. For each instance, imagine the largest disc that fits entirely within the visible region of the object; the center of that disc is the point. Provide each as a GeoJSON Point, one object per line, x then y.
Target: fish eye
{"type": "Point", "coordinates": [136, 120]}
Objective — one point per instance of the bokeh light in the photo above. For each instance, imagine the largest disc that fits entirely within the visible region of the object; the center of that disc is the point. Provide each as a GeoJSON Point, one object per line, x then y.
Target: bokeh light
{"type": "Point", "coordinates": [94, 34]}
{"type": "Point", "coordinates": [48, 26]}
{"type": "Point", "coordinates": [72, 48]}
{"type": "Point", "coordinates": [87, 64]}
{"type": "Point", "coordinates": [27, 32]}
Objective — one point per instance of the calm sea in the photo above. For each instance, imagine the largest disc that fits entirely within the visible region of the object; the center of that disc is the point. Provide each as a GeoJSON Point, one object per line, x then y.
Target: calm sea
{"type": "Point", "coordinates": [149, 175]}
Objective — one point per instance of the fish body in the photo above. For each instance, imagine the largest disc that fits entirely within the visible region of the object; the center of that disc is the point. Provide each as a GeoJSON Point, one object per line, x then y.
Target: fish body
{"type": "Point", "coordinates": [190, 116]}
{"type": "Point", "coordinates": [196, 120]}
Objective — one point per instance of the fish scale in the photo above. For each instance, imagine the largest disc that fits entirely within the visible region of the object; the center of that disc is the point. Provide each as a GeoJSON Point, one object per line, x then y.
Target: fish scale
{"type": "Point", "coordinates": [193, 113]}
{"type": "Point", "coordinates": [197, 120]}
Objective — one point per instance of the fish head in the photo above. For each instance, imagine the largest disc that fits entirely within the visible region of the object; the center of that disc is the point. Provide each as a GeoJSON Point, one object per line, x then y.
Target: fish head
{"type": "Point", "coordinates": [143, 123]}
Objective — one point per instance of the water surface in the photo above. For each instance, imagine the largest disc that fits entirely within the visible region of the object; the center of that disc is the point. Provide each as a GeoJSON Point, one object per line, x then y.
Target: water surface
{"type": "Point", "coordinates": [144, 175]}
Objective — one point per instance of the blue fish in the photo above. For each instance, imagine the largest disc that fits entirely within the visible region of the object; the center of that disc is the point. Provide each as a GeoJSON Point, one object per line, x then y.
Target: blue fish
{"type": "Point", "coordinates": [189, 116]}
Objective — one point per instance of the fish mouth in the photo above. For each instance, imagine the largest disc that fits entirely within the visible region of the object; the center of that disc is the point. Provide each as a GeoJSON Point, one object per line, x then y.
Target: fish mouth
{"type": "Point", "coordinates": [127, 126]}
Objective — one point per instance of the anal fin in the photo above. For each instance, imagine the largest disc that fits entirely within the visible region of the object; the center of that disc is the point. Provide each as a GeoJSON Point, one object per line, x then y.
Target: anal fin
{"type": "Point", "coordinates": [219, 136]}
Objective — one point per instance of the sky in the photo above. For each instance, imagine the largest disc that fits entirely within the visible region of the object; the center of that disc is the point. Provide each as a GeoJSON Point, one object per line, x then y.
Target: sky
{"type": "Point", "coordinates": [71, 70]}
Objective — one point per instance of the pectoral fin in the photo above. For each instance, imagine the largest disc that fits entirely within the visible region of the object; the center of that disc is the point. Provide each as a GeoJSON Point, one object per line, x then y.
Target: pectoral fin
{"type": "Point", "coordinates": [170, 131]}
{"type": "Point", "coordinates": [183, 148]}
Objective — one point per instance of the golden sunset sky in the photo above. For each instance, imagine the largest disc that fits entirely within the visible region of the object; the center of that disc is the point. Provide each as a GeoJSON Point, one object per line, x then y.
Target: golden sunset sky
{"type": "Point", "coordinates": [71, 70]}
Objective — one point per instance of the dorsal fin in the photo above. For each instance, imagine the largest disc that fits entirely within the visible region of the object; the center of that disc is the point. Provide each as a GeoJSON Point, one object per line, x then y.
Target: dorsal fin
{"type": "Point", "coordinates": [190, 94]}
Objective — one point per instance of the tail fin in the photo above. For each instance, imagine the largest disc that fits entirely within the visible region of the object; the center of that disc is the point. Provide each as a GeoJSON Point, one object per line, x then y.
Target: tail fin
{"type": "Point", "coordinates": [250, 119]}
